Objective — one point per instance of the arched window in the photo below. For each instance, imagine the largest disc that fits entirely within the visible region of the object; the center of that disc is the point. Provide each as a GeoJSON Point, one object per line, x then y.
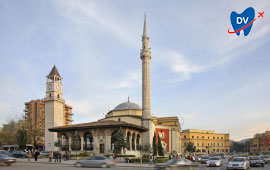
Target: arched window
{"type": "Point", "coordinates": [138, 146]}
{"type": "Point", "coordinates": [65, 143]}
{"type": "Point", "coordinates": [133, 141]}
{"type": "Point", "coordinates": [76, 141]}
{"type": "Point", "coordinates": [58, 96]}
{"type": "Point", "coordinates": [113, 139]}
{"type": "Point", "coordinates": [50, 95]}
{"type": "Point", "coordinates": [88, 141]}
{"type": "Point", "coordinates": [128, 140]}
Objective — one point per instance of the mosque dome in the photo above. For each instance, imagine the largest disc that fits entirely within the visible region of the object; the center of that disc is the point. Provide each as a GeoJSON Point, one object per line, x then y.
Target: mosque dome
{"type": "Point", "coordinates": [127, 106]}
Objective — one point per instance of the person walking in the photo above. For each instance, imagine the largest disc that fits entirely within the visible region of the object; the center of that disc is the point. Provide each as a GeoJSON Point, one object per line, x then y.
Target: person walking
{"type": "Point", "coordinates": [56, 156]}
{"type": "Point", "coordinates": [59, 156]}
{"type": "Point", "coordinates": [150, 160]}
{"type": "Point", "coordinates": [29, 155]}
{"type": "Point", "coordinates": [36, 155]}
{"type": "Point", "coordinates": [50, 156]}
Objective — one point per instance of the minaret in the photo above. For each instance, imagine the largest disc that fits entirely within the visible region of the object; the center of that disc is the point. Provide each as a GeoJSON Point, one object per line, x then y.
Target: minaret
{"type": "Point", "coordinates": [54, 107]}
{"type": "Point", "coordinates": [146, 99]}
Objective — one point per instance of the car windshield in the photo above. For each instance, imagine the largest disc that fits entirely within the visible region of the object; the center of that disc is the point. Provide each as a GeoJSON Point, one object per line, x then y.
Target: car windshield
{"type": "Point", "coordinates": [214, 158]}
{"type": "Point", "coordinates": [254, 158]}
{"type": "Point", "coordinates": [238, 160]}
{"type": "Point", "coordinates": [205, 157]}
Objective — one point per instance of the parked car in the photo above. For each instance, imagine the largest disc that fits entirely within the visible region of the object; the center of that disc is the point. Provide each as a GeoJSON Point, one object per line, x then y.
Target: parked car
{"type": "Point", "coordinates": [19, 154]}
{"type": "Point", "coordinates": [214, 161]}
{"type": "Point", "coordinates": [199, 157]}
{"type": "Point", "coordinates": [7, 159]}
{"type": "Point", "coordinates": [256, 161]}
{"type": "Point", "coordinates": [176, 164]}
{"type": "Point", "coordinates": [44, 154]}
{"type": "Point", "coordinates": [6, 153]}
{"type": "Point", "coordinates": [96, 161]}
{"type": "Point", "coordinates": [204, 159]}
{"type": "Point", "coordinates": [239, 163]}
{"type": "Point", "coordinates": [266, 158]}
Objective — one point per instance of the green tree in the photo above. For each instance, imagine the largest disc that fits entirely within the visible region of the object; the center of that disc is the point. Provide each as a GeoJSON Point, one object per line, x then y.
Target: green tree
{"type": "Point", "coordinates": [160, 149]}
{"type": "Point", "coordinates": [190, 147]}
{"type": "Point", "coordinates": [154, 145]}
{"type": "Point", "coordinates": [21, 138]}
{"type": "Point", "coordinates": [119, 141]}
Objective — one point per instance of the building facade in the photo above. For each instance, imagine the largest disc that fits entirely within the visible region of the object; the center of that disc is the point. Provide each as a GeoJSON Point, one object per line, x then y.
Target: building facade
{"type": "Point", "coordinates": [205, 141]}
{"type": "Point", "coordinates": [260, 142]}
{"type": "Point", "coordinates": [137, 124]}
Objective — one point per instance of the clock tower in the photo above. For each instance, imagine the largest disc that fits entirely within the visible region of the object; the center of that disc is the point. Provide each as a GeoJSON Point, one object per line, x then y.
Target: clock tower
{"type": "Point", "coordinates": [54, 107]}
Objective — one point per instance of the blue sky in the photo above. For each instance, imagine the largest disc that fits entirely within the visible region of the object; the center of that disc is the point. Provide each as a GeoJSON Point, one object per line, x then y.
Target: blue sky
{"type": "Point", "coordinates": [199, 72]}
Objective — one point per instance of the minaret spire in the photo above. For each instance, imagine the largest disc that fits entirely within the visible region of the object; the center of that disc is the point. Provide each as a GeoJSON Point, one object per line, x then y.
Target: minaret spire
{"type": "Point", "coordinates": [146, 97]}
{"type": "Point", "coordinates": [146, 57]}
{"type": "Point", "coordinates": [145, 34]}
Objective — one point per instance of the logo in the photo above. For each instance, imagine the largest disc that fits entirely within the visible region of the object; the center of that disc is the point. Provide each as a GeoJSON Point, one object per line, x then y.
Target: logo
{"type": "Point", "coordinates": [243, 21]}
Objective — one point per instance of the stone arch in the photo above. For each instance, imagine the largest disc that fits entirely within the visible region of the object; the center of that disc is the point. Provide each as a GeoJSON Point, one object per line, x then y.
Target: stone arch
{"type": "Point", "coordinates": [138, 145]}
{"type": "Point", "coordinates": [113, 139]}
{"type": "Point", "coordinates": [76, 141]}
{"type": "Point", "coordinates": [128, 140]}
{"type": "Point", "coordinates": [133, 141]}
{"type": "Point", "coordinates": [88, 141]}
{"type": "Point", "coordinates": [65, 142]}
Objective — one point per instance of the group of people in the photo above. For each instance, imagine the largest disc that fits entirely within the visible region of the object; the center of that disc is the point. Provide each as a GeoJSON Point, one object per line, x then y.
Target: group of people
{"type": "Point", "coordinates": [57, 156]}
{"type": "Point", "coordinates": [32, 153]}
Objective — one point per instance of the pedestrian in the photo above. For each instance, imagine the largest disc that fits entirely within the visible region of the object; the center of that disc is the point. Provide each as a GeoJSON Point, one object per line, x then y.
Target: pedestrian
{"type": "Point", "coordinates": [29, 155]}
{"type": "Point", "coordinates": [59, 156]}
{"type": "Point", "coordinates": [36, 153]}
{"type": "Point", "coordinates": [64, 156]}
{"type": "Point", "coordinates": [150, 160]}
{"type": "Point", "coordinates": [50, 156]}
{"type": "Point", "coordinates": [56, 156]}
{"type": "Point", "coordinates": [155, 159]}
{"type": "Point", "coordinates": [67, 155]}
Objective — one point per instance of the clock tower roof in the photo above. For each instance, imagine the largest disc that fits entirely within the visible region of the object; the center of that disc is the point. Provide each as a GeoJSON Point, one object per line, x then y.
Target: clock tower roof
{"type": "Point", "coordinates": [54, 72]}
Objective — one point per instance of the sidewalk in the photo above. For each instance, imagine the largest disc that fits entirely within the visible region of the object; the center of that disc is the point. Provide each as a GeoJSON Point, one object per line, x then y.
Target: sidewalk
{"type": "Point", "coordinates": [71, 162]}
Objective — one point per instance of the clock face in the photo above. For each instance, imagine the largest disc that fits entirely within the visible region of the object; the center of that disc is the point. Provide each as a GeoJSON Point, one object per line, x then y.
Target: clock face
{"type": "Point", "coordinates": [58, 88]}
{"type": "Point", "coordinates": [50, 87]}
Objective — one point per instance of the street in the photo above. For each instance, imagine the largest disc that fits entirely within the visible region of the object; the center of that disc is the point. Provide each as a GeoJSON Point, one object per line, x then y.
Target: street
{"type": "Point", "coordinates": [42, 166]}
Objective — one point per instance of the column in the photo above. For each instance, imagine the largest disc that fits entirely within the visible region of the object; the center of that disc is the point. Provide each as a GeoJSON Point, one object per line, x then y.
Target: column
{"type": "Point", "coordinates": [69, 142]}
{"type": "Point", "coordinates": [82, 143]}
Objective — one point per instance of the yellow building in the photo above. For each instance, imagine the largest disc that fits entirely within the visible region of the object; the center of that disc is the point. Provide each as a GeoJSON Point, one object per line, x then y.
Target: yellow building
{"type": "Point", "coordinates": [205, 141]}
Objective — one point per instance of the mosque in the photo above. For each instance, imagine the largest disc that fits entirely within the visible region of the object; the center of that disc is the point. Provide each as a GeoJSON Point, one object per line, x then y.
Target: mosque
{"type": "Point", "coordinates": [137, 123]}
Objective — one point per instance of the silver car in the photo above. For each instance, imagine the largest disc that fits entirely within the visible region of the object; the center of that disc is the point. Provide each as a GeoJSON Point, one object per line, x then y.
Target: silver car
{"type": "Point", "coordinates": [239, 163]}
{"type": "Point", "coordinates": [96, 161]}
{"type": "Point", "coordinates": [214, 161]}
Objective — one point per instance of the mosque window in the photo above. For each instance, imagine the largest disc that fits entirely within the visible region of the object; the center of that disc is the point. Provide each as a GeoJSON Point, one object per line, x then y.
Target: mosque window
{"type": "Point", "coordinates": [185, 144]}
{"type": "Point", "coordinates": [203, 137]}
{"type": "Point", "coordinates": [197, 137]}
{"type": "Point", "coordinates": [221, 137]}
{"type": "Point", "coordinates": [214, 137]}
{"type": "Point", "coordinates": [192, 137]}
{"type": "Point", "coordinates": [119, 119]}
{"type": "Point", "coordinates": [185, 136]}
{"type": "Point", "coordinates": [217, 137]}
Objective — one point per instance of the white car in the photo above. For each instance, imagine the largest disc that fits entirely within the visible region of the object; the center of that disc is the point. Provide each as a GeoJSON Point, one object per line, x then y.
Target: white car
{"type": "Point", "coordinates": [239, 163]}
{"type": "Point", "coordinates": [266, 158]}
{"type": "Point", "coordinates": [214, 161]}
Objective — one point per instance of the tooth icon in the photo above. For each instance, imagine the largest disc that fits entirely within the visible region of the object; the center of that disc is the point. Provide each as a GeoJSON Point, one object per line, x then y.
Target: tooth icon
{"type": "Point", "coordinates": [238, 21]}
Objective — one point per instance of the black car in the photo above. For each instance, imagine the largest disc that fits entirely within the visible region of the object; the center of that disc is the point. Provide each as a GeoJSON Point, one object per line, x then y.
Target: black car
{"type": "Point", "coordinates": [19, 154]}
{"type": "Point", "coordinates": [5, 159]}
{"type": "Point", "coordinates": [177, 163]}
{"type": "Point", "coordinates": [256, 161]}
